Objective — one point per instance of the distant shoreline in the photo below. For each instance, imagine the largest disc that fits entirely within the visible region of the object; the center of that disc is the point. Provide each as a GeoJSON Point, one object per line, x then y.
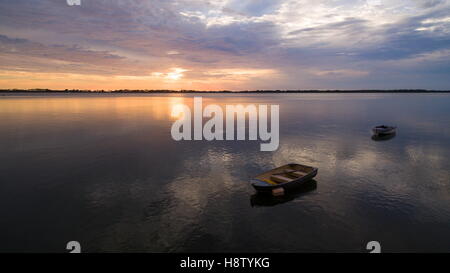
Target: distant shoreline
{"type": "Point", "coordinates": [67, 91]}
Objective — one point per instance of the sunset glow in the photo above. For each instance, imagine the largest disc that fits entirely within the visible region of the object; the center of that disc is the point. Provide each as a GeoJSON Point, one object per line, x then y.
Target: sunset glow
{"type": "Point", "coordinates": [225, 45]}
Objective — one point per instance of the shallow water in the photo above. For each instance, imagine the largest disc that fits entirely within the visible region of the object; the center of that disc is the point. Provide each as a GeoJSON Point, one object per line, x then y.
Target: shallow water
{"type": "Point", "coordinates": [103, 170]}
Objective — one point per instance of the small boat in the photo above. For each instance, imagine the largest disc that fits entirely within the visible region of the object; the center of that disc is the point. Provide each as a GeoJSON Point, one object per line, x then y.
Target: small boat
{"type": "Point", "coordinates": [265, 200]}
{"type": "Point", "coordinates": [383, 130]}
{"type": "Point", "coordinates": [283, 178]}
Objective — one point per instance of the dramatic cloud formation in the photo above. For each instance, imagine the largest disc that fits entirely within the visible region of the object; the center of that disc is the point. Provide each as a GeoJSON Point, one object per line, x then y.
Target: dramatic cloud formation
{"type": "Point", "coordinates": [225, 44]}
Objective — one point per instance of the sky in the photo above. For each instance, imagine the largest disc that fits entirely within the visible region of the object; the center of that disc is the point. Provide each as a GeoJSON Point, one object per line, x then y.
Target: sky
{"type": "Point", "coordinates": [225, 44]}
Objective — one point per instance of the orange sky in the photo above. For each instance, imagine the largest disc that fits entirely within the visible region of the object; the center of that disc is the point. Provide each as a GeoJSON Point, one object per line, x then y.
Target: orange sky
{"type": "Point", "coordinates": [225, 44]}
{"type": "Point", "coordinates": [173, 79]}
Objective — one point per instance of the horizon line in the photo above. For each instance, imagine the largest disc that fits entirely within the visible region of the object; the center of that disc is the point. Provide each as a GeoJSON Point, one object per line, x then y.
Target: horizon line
{"type": "Point", "coordinates": [122, 91]}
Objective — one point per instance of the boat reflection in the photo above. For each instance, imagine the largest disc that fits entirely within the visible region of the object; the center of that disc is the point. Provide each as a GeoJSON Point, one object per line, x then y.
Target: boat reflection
{"type": "Point", "coordinates": [383, 137]}
{"type": "Point", "coordinates": [264, 200]}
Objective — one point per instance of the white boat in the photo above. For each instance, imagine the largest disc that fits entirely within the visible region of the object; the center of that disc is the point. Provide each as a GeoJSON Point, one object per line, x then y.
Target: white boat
{"type": "Point", "coordinates": [283, 178]}
{"type": "Point", "coordinates": [384, 130]}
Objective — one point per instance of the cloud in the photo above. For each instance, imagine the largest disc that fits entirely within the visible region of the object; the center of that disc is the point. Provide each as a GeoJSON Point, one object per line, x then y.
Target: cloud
{"type": "Point", "coordinates": [309, 44]}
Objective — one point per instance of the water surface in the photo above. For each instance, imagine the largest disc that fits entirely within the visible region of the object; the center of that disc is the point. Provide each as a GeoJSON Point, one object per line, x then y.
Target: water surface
{"type": "Point", "coordinates": [104, 170]}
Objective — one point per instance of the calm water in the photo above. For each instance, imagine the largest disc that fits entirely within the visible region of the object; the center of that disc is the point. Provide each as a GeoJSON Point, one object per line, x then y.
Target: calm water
{"type": "Point", "coordinates": [104, 170]}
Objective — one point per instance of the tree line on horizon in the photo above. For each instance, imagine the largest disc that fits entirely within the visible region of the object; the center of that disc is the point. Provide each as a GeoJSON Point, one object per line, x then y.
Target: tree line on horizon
{"type": "Point", "coordinates": [39, 90]}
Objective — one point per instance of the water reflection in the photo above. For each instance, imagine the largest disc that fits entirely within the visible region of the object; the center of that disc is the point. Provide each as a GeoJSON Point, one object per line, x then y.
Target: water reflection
{"type": "Point", "coordinates": [104, 170]}
{"type": "Point", "coordinates": [264, 200]}
{"type": "Point", "coordinates": [383, 137]}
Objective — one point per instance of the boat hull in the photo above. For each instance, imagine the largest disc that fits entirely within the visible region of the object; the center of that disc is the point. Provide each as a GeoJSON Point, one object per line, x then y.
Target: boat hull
{"type": "Point", "coordinates": [379, 131]}
{"type": "Point", "coordinates": [262, 187]}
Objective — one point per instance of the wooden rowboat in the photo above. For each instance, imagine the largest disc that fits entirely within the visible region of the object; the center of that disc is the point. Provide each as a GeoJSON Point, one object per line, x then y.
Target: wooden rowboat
{"type": "Point", "coordinates": [283, 178]}
{"type": "Point", "coordinates": [265, 200]}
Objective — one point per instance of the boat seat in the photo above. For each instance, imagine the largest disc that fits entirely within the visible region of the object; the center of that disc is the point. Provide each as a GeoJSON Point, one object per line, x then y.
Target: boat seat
{"type": "Point", "coordinates": [295, 173]}
{"type": "Point", "coordinates": [299, 173]}
{"type": "Point", "coordinates": [280, 179]}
